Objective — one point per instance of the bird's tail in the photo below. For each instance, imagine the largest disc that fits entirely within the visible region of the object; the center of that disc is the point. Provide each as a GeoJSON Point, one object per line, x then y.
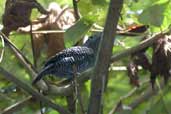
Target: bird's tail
{"type": "Point", "coordinates": [42, 73]}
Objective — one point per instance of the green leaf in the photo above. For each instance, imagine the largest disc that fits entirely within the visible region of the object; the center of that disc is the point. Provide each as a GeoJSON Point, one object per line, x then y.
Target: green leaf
{"type": "Point", "coordinates": [125, 112]}
{"type": "Point", "coordinates": [99, 2]}
{"type": "Point", "coordinates": [94, 10]}
{"type": "Point", "coordinates": [85, 7]}
{"type": "Point", "coordinates": [153, 15]}
{"type": "Point", "coordinates": [159, 106]}
{"type": "Point", "coordinates": [140, 4]}
{"type": "Point", "coordinates": [77, 31]}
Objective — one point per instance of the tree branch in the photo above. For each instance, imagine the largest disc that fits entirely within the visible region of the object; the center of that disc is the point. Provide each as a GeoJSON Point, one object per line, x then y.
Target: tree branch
{"type": "Point", "coordinates": [146, 43]}
{"type": "Point", "coordinates": [142, 98]}
{"type": "Point", "coordinates": [145, 96]}
{"type": "Point", "coordinates": [103, 58]}
{"type": "Point", "coordinates": [119, 104]}
{"type": "Point", "coordinates": [25, 62]}
{"type": "Point", "coordinates": [69, 88]}
{"type": "Point", "coordinates": [31, 91]}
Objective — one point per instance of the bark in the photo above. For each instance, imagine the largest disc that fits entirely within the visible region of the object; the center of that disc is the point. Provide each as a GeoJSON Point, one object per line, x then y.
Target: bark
{"type": "Point", "coordinates": [103, 59]}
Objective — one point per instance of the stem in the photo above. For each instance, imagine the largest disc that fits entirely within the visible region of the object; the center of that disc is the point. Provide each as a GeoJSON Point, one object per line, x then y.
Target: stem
{"type": "Point", "coordinates": [76, 12]}
{"type": "Point", "coordinates": [33, 47]}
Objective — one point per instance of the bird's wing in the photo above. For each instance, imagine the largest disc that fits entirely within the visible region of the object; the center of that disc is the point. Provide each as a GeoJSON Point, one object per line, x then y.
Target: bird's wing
{"type": "Point", "coordinates": [62, 68]}
{"type": "Point", "coordinates": [74, 51]}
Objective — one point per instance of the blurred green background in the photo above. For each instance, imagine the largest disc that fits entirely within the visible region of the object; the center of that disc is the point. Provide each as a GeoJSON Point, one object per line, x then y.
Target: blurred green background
{"type": "Point", "coordinates": [156, 13]}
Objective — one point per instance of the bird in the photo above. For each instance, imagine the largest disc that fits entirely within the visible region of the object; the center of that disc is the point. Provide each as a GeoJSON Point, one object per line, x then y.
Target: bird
{"type": "Point", "coordinates": [78, 58]}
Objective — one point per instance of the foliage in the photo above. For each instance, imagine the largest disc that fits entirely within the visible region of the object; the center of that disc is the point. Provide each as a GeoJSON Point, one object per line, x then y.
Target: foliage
{"type": "Point", "coordinates": [79, 30]}
{"type": "Point", "coordinates": [156, 13]}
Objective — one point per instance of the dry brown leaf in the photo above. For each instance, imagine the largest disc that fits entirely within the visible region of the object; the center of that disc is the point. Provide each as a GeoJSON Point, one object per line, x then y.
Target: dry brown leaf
{"type": "Point", "coordinates": [57, 19]}
{"type": "Point", "coordinates": [17, 14]}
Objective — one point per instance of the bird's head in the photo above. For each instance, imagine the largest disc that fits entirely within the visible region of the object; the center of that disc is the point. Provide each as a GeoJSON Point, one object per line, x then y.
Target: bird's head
{"type": "Point", "coordinates": [93, 41]}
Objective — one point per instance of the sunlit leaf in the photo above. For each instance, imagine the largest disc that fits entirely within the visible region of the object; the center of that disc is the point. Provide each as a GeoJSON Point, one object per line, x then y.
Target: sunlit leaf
{"type": "Point", "coordinates": [140, 4]}
{"type": "Point", "coordinates": [153, 15]}
{"type": "Point", "coordinates": [99, 2]}
{"type": "Point", "coordinates": [77, 31]}
{"type": "Point", "coordinates": [94, 10]}
{"type": "Point", "coordinates": [159, 106]}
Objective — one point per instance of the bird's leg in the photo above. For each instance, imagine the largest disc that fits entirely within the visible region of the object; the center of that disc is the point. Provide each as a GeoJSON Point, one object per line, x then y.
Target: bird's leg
{"type": "Point", "coordinates": [77, 90]}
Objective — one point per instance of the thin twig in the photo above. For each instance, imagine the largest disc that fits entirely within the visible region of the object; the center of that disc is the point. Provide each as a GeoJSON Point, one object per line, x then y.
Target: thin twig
{"type": "Point", "coordinates": [134, 90]}
{"type": "Point", "coordinates": [31, 91]}
{"type": "Point", "coordinates": [33, 46]}
{"type": "Point", "coordinates": [63, 31]}
{"type": "Point", "coordinates": [25, 62]}
{"type": "Point", "coordinates": [77, 90]}
{"type": "Point", "coordinates": [76, 12]}
{"type": "Point", "coordinates": [146, 43]}
{"type": "Point", "coordinates": [17, 106]}
{"type": "Point", "coordinates": [144, 96]}
{"type": "Point", "coordinates": [61, 13]}
{"type": "Point", "coordinates": [119, 106]}
{"type": "Point", "coordinates": [75, 83]}
{"type": "Point", "coordinates": [69, 88]}
{"type": "Point", "coordinates": [19, 55]}
{"type": "Point", "coordinates": [40, 32]}
{"type": "Point", "coordinates": [3, 48]}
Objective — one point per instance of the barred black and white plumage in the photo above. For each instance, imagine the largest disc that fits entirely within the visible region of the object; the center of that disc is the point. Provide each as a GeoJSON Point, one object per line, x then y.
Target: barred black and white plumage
{"type": "Point", "coordinates": [80, 57]}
